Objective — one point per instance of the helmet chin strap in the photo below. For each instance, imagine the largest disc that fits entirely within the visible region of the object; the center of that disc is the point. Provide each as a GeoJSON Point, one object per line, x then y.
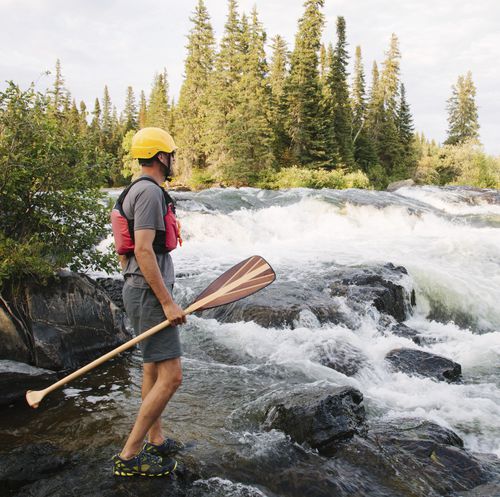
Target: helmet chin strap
{"type": "Point", "coordinates": [166, 170]}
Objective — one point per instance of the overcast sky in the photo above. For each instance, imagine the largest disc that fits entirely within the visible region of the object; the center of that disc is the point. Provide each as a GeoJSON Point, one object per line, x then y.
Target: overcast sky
{"type": "Point", "coordinates": [124, 42]}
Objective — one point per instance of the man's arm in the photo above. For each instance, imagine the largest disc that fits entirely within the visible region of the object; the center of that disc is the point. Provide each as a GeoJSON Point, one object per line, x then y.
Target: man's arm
{"type": "Point", "coordinates": [146, 258]}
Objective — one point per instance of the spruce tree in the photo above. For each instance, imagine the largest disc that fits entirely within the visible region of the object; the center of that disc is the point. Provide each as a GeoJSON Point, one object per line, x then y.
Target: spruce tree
{"type": "Point", "coordinates": [130, 117]}
{"type": "Point", "coordinates": [341, 110]}
{"type": "Point", "coordinates": [95, 124]}
{"type": "Point", "coordinates": [59, 95]}
{"type": "Point", "coordinates": [358, 98]}
{"type": "Point", "coordinates": [193, 108]}
{"type": "Point", "coordinates": [406, 136]}
{"type": "Point", "coordinates": [390, 149]}
{"type": "Point", "coordinates": [106, 117]}
{"type": "Point", "coordinates": [463, 122]}
{"type": "Point", "coordinates": [364, 152]}
{"type": "Point", "coordinates": [249, 129]}
{"type": "Point", "coordinates": [223, 94]}
{"type": "Point", "coordinates": [277, 78]}
{"type": "Point", "coordinates": [142, 118]}
{"type": "Point", "coordinates": [158, 107]}
{"type": "Point", "coordinates": [304, 92]}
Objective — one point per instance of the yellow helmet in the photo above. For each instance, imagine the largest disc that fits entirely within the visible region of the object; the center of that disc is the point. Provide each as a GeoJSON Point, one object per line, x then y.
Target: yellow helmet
{"type": "Point", "coordinates": [147, 142]}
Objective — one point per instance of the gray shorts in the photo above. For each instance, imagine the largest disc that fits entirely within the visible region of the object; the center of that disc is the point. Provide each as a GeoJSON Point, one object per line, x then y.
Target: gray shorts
{"type": "Point", "coordinates": [144, 311]}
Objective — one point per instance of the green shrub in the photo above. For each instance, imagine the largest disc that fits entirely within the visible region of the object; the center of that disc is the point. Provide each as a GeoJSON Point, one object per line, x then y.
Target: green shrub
{"type": "Point", "coordinates": [53, 213]}
{"type": "Point", "coordinates": [296, 177]}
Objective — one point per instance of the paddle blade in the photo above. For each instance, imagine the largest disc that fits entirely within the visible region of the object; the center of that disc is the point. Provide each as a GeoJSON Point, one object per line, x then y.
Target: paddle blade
{"type": "Point", "coordinates": [244, 279]}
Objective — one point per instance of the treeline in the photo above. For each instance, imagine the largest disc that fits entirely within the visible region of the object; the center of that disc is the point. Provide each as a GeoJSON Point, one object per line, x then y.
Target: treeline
{"type": "Point", "coordinates": [299, 119]}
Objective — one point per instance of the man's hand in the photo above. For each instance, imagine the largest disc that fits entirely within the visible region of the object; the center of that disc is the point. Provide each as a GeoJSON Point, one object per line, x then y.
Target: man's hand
{"type": "Point", "coordinates": [174, 313]}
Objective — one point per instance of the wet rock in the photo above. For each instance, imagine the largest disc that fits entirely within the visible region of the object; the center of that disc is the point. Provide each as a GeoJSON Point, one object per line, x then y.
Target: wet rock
{"type": "Point", "coordinates": [321, 417]}
{"type": "Point", "coordinates": [342, 357]}
{"type": "Point", "coordinates": [280, 305]}
{"type": "Point", "coordinates": [14, 337]}
{"type": "Point", "coordinates": [375, 286]}
{"type": "Point", "coordinates": [90, 474]}
{"type": "Point", "coordinates": [28, 464]}
{"type": "Point", "coordinates": [73, 321]}
{"type": "Point", "coordinates": [17, 377]}
{"type": "Point", "coordinates": [412, 361]}
{"type": "Point", "coordinates": [486, 490]}
{"type": "Point", "coordinates": [401, 330]}
{"type": "Point", "coordinates": [113, 288]}
{"type": "Point", "coordinates": [354, 291]}
{"type": "Point", "coordinates": [415, 457]}
{"type": "Point", "coordinates": [400, 184]}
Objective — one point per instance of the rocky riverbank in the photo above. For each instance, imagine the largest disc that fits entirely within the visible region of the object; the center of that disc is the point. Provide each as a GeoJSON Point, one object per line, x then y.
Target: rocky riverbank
{"type": "Point", "coordinates": [324, 439]}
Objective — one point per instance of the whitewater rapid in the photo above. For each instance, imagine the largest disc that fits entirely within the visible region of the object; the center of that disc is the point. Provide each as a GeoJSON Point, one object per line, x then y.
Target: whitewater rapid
{"type": "Point", "coordinates": [448, 239]}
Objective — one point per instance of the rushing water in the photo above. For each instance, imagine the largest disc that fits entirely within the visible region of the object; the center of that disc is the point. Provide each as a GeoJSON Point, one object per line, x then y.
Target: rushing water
{"type": "Point", "coordinates": [447, 239]}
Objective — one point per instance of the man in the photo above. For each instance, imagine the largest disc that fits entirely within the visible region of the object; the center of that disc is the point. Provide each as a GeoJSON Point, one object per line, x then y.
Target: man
{"type": "Point", "coordinates": [147, 296]}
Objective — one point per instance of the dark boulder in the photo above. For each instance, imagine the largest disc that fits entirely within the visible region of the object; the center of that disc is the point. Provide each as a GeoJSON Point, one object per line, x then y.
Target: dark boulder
{"type": "Point", "coordinates": [378, 286]}
{"type": "Point", "coordinates": [15, 339]}
{"type": "Point", "coordinates": [415, 458]}
{"type": "Point", "coordinates": [338, 296]}
{"type": "Point", "coordinates": [413, 361]}
{"type": "Point", "coordinates": [320, 417]}
{"type": "Point", "coordinates": [28, 464]}
{"type": "Point", "coordinates": [401, 330]}
{"type": "Point", "coordinates": [73, 321]}
{"type": "Point", "coordinates": [341, 356]}
{"type": "Point", "coordinates": [17, 377]}
{"type": "Point", "coordinates": [113, 288]}
{"type": "Point", "coordinates": [281, 305]}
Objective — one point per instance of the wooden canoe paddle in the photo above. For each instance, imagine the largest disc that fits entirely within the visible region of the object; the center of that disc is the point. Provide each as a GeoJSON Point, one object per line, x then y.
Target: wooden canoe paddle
{"type": "Point", "coordinates": [242, 280]}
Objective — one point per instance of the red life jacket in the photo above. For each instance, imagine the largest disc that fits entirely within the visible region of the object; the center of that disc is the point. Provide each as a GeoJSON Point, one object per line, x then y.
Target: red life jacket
{"type": "Point", "coordinates": [123, 228]}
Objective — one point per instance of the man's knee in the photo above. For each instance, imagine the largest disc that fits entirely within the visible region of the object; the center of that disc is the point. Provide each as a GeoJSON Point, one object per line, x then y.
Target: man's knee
{"type": "Point", "coordinates": [170, 374]}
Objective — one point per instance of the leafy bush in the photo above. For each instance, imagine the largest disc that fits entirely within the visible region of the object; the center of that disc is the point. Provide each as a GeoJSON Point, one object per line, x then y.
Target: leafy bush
{"type": "Point", "coordinates": [53, 213]}
{"type": "Point", "coordinates": [463, 164]}
{"type": "Point", "coordinates": [296, 177]}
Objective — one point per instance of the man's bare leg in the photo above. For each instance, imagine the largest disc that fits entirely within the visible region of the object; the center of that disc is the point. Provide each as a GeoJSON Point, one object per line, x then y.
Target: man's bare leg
{"type": "Point", "coordinates": [150, 374]}
{"type": "Point", "coordinates": [169, 378]}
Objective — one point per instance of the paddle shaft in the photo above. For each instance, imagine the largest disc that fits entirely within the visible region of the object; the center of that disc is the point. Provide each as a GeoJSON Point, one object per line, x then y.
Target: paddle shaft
{"type": "Point", "coordinates": [35, 397]}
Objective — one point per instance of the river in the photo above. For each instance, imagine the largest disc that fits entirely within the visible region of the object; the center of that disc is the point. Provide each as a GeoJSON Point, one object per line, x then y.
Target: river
{"type": "Point", "coordinates": [448, 239]}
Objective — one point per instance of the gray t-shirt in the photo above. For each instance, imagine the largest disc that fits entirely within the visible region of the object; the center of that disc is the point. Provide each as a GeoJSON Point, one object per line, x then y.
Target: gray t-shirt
{"type": "Point", "coordinates": [145, 204]}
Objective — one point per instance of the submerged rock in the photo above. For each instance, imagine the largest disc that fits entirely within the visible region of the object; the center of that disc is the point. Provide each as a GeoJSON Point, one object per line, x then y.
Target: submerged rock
{"type": "Point", "coordinates": [341, 356]}
{"type": "Point", "coordinates": [321, 417]}
{"type": "Point", "coordinates": [401, 330]}
{"type": "Point", "coordinates": [400, 184]}
{"type": "Point", "coordinates": [16, 378]}
{"type": "Point", "coordinates": [413, 361]}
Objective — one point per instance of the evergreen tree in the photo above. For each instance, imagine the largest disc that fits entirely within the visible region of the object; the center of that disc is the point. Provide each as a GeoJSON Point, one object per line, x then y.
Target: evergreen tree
{"type": "Point", "coordinates": [130, 111]}
{"type": "Point", "coordinates": [463, 122]}
{"type": "Point", "coordinates": [59, 95]}
{"type": "Point", "coordinates": [83, 119]}
{"type": "Point", "coordinates": [304, 92]}
{"type": "Point", "coordinates": [341, 110]}
{"type": "Point", "coordinates": [223, 91]}
{"type": "Point", "coordinates": [249, 129]}
{"type": "Point", "coordinates": [143, 113]}
{"type": "Point", "coordinates": [358, 98]}
{"type": "Point", "coordinates": [95, 124]}
{"type": "Point", "coordinates": [364, 152]}
{"type": "Point", "coordinates": [106, 116]}
{"type": "Point", "coordinates": [277, 79]}
{"type": "Point", "coordinates": [158, 108]}
{"type": "Point", "coordinates": [405, 121]}
{"type": "Point", "coordinates": [193, 109]}
{"type": "Point", "coordinates": [390, 149]}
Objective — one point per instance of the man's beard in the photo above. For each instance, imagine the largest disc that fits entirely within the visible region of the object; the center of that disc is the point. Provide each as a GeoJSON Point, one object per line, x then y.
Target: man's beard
{"type": "Point", "coordinates": [166, 172]}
